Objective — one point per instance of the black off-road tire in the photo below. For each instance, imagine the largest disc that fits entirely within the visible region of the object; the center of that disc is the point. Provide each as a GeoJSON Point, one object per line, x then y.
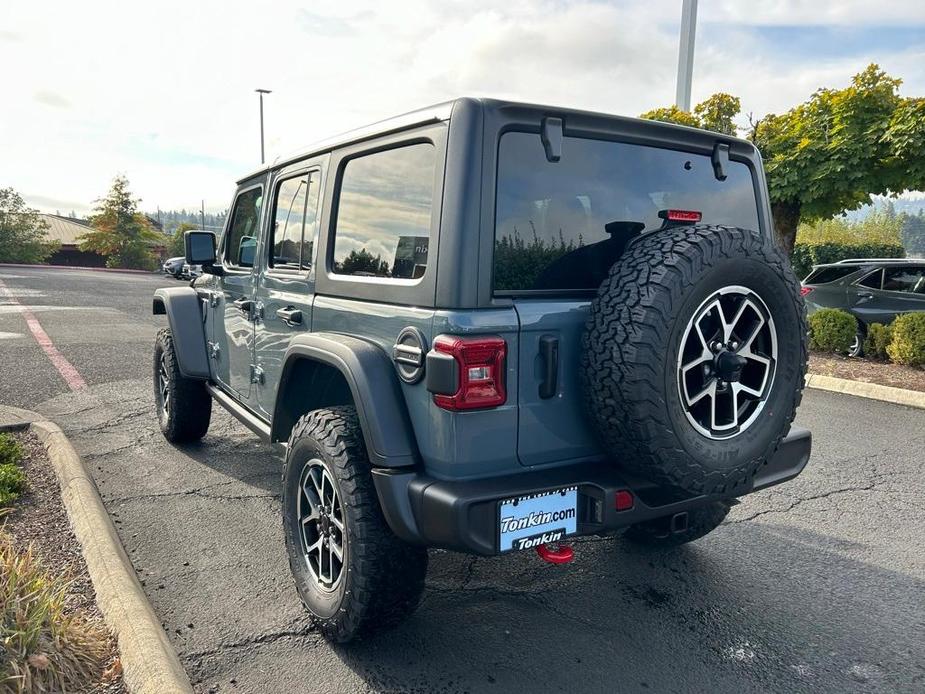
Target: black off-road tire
{"type": "Point", "coordinates": [631, 349]}
{"type": "Point", "coordinates": [184, 414]}
{"type": "Point", "coordinates": [383, 577]}
{"type": "Point", "coordinates": [658, 534]}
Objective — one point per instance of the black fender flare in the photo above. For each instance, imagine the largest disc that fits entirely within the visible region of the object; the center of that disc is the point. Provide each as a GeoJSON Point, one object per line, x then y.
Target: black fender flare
{"type": "Point", "coordinates": [183, 309]}
{"type": "Point", "coordinates": [376, 392]}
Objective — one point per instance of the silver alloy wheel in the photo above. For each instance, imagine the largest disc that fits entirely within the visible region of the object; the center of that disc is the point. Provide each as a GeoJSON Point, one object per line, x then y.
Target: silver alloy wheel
{"type": "Point", "coordinates": [855, 348]}
{"type": "Point", "coordinates": [726, 362]}
{"type": "Point", "coordinates": [163, 379]}
{"type": "Point", "coordinates": [321, 525]}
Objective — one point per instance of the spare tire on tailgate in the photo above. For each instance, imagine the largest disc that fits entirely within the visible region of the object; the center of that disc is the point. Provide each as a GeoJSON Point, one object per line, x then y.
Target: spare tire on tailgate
{"type": "Point", "coordinates": [694, 357]}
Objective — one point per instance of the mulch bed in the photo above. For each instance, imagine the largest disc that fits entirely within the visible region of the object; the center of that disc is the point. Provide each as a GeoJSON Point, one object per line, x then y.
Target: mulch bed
{"type": "Point", "coordinates": [39, 518]}
{"type": "Point", "coordinates": [867, 371]}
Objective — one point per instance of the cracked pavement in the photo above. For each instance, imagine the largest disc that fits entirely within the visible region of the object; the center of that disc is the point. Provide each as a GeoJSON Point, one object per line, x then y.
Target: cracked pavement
{"type": "Point", "coordinates": [815, 585]}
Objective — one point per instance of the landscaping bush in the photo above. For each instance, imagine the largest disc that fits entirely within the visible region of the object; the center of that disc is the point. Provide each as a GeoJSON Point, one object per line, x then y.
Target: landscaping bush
{"type": "Point", "coordinates": [832, 330]}
{"type": "Point", "coordinates": [805, 255]}
{"type": "Point", "coordinates": [43, 647]}
{"type": "Point", "coordinates": [877, 341]}
{"type": "Point", "coordinates": [907, 345]}
{"type": "Point", "coordinates": [12, 479]}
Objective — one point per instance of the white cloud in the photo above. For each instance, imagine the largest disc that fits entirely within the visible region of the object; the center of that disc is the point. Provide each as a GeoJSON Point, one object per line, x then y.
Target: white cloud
{"type": "Point", "coordinates": [163, 92]}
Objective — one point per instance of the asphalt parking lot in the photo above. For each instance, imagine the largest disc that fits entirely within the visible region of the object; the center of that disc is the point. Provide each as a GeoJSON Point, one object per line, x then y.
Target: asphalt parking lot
{"type": "Point", "coordinates": [817, 585]}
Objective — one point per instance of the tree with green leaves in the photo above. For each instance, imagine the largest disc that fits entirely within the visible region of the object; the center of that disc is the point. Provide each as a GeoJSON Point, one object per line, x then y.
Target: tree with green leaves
{"type": "Point", "coordinates": [23, 233]}
{"type": "Point", "coordinates": [716, 114]}
{"type": "Point", "coordinates": [833, 152]}
{"type": "Point", "coordinates": [177, 245]}
{"type": "Point", "coordinates": [120, 232]}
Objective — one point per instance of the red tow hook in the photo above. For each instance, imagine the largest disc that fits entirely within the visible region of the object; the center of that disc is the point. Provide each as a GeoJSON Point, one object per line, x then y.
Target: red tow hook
{"type": "Point", "coordinates": [562, 555]}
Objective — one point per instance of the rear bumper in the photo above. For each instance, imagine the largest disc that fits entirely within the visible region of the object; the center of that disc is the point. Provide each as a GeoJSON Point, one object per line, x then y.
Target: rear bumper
{"type": "Point", "coordinates": [463, 515]}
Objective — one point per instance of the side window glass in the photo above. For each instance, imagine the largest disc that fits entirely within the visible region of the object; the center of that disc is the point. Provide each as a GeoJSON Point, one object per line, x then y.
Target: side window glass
{"type": "Point", "coordinates": [873, 280]}
{"type": "Point", "coordinates": [902, 279]}
{"type": "Point", "coordinates": [241, 241]}
{"type": "Point", "coordinates": [383, 218]}
{"type": "Point", "coordinates": [295, 215]}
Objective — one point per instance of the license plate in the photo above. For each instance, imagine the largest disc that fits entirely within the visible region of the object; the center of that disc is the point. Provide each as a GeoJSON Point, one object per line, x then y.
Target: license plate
{"type": "Point", "coordinates": [534, 520]}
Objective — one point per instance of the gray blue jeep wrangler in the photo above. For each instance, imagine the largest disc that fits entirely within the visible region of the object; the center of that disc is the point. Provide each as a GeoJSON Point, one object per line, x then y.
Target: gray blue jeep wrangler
{"type": "Point", "coordinates": [490, 327]}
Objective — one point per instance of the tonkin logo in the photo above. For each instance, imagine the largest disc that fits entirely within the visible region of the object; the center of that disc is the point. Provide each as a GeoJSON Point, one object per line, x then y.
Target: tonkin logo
{"type": "Point", "coordinates": [511, 523]}
{"type": "Point", "coordinates": [541, 539]}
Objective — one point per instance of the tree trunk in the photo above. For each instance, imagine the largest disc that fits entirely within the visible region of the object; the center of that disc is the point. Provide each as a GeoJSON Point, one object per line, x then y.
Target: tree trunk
{"type": "Point", "coordinates": [786, 219]}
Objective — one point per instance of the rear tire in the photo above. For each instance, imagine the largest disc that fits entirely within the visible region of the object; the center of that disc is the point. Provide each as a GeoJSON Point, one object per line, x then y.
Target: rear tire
{"type": "Point", "coordinates": [657, 533]}
{"type": "Point", "coordinates": [184, 406]}
{"type": "Point", "coordinates": [330, 508]}
{"type": "Point", "coordinates": [857, 347]}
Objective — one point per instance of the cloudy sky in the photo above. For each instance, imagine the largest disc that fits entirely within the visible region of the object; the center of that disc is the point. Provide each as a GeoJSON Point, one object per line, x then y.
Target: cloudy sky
{"type": "Point", "coordinates": [163, 91]}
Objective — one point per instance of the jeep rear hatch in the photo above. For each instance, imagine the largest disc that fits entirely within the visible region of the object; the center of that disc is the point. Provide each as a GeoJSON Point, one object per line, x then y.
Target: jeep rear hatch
{"type": "Point", "coordinates": [560, 226]}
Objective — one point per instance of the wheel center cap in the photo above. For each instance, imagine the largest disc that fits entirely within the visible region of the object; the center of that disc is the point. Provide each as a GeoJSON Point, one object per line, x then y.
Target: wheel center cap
{"type": "Point", "coordinates": [729, 366]}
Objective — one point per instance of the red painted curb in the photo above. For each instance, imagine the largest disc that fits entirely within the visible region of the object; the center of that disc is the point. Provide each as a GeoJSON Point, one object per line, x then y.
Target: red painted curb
{"type": "Point", "coordinates": [78, 267]}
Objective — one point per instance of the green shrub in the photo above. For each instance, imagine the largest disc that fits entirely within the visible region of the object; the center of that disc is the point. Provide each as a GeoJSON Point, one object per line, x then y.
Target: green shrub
{"type": "Point", "coordinates": [10, 450]}
{"type": "Point", "coordinates": [805, 255]}
{"type": "Point", "coordinates": [877, 341]}
{"type": "Point", "coordinates": [907, 345]}
{"type": "Point", "coordinates": [12, 479]}
{"type": "Point", "coordinates": [12, 483]}
{"type": "Point", "coordinates": [832, 330]}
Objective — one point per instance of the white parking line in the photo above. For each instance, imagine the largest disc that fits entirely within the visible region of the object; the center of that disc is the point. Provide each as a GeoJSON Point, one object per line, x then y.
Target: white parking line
{"type": "Point", "coordinates": [70, 375]}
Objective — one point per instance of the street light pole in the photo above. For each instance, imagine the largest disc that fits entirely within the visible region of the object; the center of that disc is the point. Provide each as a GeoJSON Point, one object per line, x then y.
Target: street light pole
{"type": "Point", "coordinates": [261, 92]}
{"type": "Point", "coordinates": [686, 54]}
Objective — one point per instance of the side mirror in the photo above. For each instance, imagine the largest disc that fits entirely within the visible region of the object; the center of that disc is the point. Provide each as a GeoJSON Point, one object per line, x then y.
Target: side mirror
{"type": "Point", "coordinates": [200, 248]}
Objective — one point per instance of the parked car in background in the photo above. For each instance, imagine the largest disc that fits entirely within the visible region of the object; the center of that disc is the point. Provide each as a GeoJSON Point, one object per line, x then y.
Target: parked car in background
{"type": "Point", "coordinates": [873, 290]}
{"type": "Point", "coordinates": [190, 272]}
{"type": "Point", "coordinates": [174, 266]}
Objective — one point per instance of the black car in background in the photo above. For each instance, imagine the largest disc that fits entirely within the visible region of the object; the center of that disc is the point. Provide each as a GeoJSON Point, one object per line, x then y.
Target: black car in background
{"type": "Point", "coordinates": [873, 290]}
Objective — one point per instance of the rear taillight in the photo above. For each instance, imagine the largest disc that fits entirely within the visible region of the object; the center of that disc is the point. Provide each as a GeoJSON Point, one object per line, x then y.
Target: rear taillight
{"type": "Point", "coordinates": [480, 372]}
{"type": "Point", "coordinates": [805, 290]}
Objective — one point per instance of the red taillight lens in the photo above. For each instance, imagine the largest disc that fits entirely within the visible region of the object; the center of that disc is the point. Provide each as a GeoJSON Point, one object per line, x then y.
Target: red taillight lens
{"type": "Point", "coordinates": [681, 215]}
{"type": "Point", "coordinates": [480, 362]}
{"type": "Point", "coordinates": [805, 290]}
{"type": "Point", "coordinates": [623, 500]}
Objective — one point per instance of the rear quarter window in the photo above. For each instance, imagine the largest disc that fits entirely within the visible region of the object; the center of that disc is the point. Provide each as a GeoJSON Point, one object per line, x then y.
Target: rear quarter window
{"type": "Point", "coordinates": [561, 225]}
{"type": "Point", "coordinates": [824, 275]}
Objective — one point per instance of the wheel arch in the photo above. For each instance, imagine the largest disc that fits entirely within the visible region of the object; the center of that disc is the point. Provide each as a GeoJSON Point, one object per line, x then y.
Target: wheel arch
{"type": "Point", "coordinates": [329, 369]}
{"type": "Point", "coordinates": [182, 307]}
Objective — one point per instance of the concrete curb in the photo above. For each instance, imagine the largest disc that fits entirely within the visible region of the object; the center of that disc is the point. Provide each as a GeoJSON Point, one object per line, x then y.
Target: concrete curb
{"type": "Point", "coordinates": [873, 391]}
{"type": "Point", "coordinates": [149, 663]}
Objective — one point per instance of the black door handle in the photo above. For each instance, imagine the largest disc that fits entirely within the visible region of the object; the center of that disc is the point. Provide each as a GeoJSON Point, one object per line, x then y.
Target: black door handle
{"type": "Point", "coordinates": [244, 305]}
{"type": "Point", "coordinates": [289, 315]}
{"type": "Point", "coordinates": [549, 363]}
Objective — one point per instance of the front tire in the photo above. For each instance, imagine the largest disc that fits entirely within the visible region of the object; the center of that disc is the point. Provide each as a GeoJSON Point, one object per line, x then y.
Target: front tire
{"type": "Point", "coordinates": [184, 406]}
{"type": "Point", "coordinates": [351, 572]}
{"type": "Point", "coordinates": [657, 534]}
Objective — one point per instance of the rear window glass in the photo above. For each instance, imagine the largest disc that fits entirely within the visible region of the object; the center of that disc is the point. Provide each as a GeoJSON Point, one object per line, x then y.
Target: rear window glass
{"type": "Point", "coordinates": [562, 225]}
{"type": "Point", "coordinates": [824, 275]}
{"type": "Point", "coordinates": [873, 280]}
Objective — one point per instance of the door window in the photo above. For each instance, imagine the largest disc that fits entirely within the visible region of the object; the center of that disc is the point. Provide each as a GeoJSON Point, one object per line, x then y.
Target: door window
{"type": "Point", "coordinates": [904, 279]}
{"type": "Point", "coordinates": [241, 241]}
{"type": "Point", "coordinates": [383, 218]}
{"type": "Point", "coordinates": [295, 214]}
{"type": "Point", "coordinates": [874, 280]}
